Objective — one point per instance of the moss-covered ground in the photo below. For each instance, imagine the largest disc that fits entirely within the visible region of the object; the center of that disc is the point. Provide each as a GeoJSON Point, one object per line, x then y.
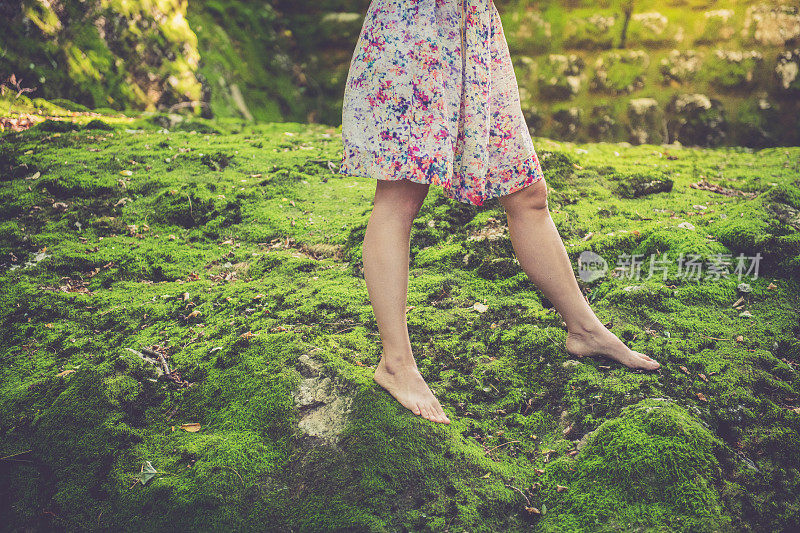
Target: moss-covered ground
{"type": "Point", "coordinates": [233, 252]}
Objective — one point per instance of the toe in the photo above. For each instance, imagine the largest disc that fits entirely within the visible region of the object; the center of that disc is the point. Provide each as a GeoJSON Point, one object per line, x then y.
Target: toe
{"type": "Point", "coordinates": [434, 417]}
{"type": "Point", "coordinates": [441, 413]}
{"type": "Point", "coordinates": [647, 362]}
{"type": "Point", "coordinates": [416, 409]}
{"type": "Point", "coordinates": [425, 413]}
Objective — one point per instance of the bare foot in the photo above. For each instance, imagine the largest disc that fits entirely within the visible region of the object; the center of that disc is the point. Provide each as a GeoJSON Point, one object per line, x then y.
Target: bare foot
{"type": "Point", "coordinates": [405, 383]}
{"type": "Point", "coordinates": [602, 342]}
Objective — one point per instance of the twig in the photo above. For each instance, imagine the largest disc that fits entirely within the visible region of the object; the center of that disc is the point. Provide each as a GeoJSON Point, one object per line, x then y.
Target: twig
{"type": "Point", "coordinates": [14, 455]}
{"type": "Point", "coordinates": [237, 473]}
{"type": "Point", "coordinates": [518, 490]}
{"type": "Point", "coordinates": [143, 357]}
{"type": "Point", "coordinates": [153, 353]}
{"type": "Point", "coordinates": [500, 446]}
{"type": "Point", "coordinates": [172, 413]}
{"type": "Point", "coordinates": [714, 338]}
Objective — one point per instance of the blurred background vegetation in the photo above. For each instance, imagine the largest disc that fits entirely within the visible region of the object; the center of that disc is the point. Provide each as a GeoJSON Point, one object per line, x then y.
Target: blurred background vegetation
{"type": "Point", "coordinates": [699, 72]}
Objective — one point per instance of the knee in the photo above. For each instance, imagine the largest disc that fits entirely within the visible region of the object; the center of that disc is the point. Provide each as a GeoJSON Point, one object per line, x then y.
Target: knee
{"type": "Point", "coordinates": [403, 199]}
{"type": "Point", "coordinates": [533, 197]}
{"type": "Point", "coordinates": [408, 208]}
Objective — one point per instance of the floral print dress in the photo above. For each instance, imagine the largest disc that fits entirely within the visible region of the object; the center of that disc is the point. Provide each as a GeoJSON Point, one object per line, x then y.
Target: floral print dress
{"type": "Point", "coordinates": [431, 96]}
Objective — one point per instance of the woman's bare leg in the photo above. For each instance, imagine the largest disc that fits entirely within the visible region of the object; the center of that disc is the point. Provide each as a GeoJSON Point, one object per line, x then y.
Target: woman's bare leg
{"type": "Point", "coordinates": [386, 255]}
{"type": "Point", "coordinates": [544, 259]}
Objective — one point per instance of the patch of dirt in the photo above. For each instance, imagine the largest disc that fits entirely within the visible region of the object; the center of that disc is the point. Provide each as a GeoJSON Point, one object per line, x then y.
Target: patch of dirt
{"type": "Point", "coordinates": [492, 231]}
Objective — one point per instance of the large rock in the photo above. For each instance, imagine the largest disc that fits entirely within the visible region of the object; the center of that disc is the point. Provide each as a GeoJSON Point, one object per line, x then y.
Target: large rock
{"type": "Point", "coordinates": [597, 31]}
{"type": "Point", "coordinates": [602, 125]}
{"type": "Point", "coordinates": [646, 121]}
{"type": "Point", "coordinates": [561, 76]}
{"type": "Point", "coordinates": [718, 26]}
{"type": "Point", "coordinates": [527, 31]}
{"type": "Point", "coordinates": [771, 25]}
{"type": "Point", "coordinates": [680, 66]}
{"type": "Point", "coordinates": [567, 122]}
{"type": "Point", "coordinates": [653, 29]}
{"type": "Point", "coordinates": [655, 460]}
{"type": "Point", "coordinates": [323, 407]}
{"type": "Point", "coordinates": [696, 119]}
{"type": "Point", "coordinates": [620, 72]}
{"type": "Point", "coordinates": [787, 69]}
{"type": "Point", "coordinates": [734, 69]}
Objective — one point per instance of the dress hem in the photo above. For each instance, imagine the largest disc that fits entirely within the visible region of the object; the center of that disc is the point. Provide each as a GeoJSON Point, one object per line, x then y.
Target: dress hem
{"type": "Point", "coordinates": [425, 170]}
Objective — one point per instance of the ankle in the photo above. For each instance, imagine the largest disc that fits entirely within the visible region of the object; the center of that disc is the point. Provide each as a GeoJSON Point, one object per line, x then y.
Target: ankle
{"type": "Point", "coordinates": [586, 328]}
{"type": "Point", "coordinates": [398, 363]}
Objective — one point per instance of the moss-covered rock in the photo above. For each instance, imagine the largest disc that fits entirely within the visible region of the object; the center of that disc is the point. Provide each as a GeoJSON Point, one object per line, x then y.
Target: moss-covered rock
{"type": "Point", "coordinates": [654, 467]}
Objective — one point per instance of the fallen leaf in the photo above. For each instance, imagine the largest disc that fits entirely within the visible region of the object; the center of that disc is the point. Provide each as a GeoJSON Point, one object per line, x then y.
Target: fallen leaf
{"type": "Point", "coordinates": [147, 473]}
{"type": "Point", "coordinates": [532, 510]}
{"type": "Point", "coordinates": [487, 475]}
{"type": "Point", "coordinates": [192, 427]}
{"type": "Point", "coordinates": [772, 286]}
{"type": "Point", "coordinates": [684, 369]}
{"type": "Point", "coordinates": [193, 314]}
{"type": "Point", "coordinates": [65, 372]}
{"type": "Point", "coordinates": [126, 172]}
{"type": "Point", "coordinates": [481, 308]}
{"type": "Point", "coordinates": [739, 338]}
{"type": "Point", "coordinates": [560, 488]}
{"type": "Point", "coordinates": [247, 335]}
{"type": "Point", "coordinates": [539, 471]}
{"type": "Point", "coordinates": [701, 396]}
{"type": "Point", "coordinates": [703, 377]}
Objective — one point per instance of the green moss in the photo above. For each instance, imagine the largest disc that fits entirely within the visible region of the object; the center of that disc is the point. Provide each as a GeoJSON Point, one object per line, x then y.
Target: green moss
{"type": "Point", "coordinates": [654, 467]}
{"type": "Point", "coordinates": [236, 255]}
